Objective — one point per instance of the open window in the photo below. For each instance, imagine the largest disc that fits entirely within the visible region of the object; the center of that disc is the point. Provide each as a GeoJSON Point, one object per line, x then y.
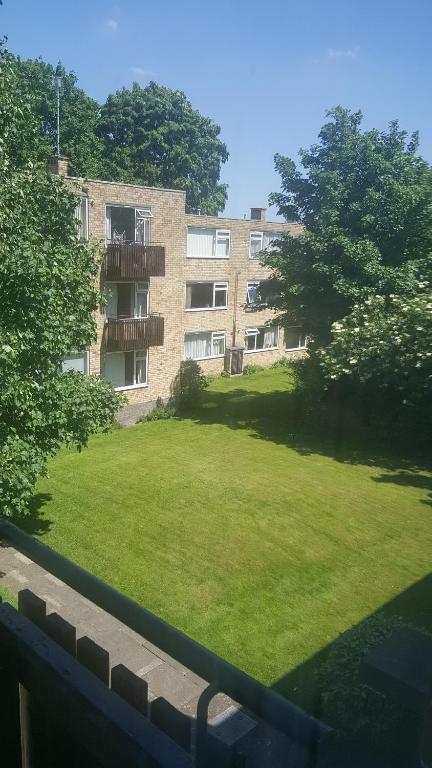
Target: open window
{"type": "Point", "coordinates": [206, 296]}
{"type": "Point", "coordinates": [261, 339]}
{"type": "Point", "coordinates": [127, 225]}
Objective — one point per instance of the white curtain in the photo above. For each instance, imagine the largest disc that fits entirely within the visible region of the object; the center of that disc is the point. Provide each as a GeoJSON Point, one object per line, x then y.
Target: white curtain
{"type": "Point", "coordinates": [270, 239]}
{"type": "Point", "coordinates": [218, 344]}
{"type": "Point", "coordinates": [270, 337]}
{"type": "Point", "coordinates": [111, 307]}
{"type": "Point", "coordinates": [200, 242]}
{"type": "Point", "coordinates": [114, 368]}
{"type": "Point", "coordinates": [197, 345]}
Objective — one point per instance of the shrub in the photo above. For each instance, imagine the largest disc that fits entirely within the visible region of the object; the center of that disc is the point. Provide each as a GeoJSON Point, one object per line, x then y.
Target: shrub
{"type": "Point", "coordinates": [188, 385]}
{"type": "Point", "coordinates": [249, 370]}
{"type": "Point", "coordinates": [225, 375]}
{"type": "Point", "coordinates": [283, 362]}
{"type": "Point", "coordinates": [160, 411]}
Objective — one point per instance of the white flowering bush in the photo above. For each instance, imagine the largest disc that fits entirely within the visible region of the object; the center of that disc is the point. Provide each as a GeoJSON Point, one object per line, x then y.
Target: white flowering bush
{"type": "Point", "coordinates": [385, 344]}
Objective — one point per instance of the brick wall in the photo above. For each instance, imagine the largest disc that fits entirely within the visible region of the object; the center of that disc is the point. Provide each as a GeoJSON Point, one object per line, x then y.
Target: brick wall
{"type": "Point", "coordinates": [168, 294]}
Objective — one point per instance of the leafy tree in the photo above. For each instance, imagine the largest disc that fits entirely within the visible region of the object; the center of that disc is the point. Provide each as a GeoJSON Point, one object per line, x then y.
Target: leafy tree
{"type": "Point", "coordinates": [385, 346]}
{"type": "Point", "coordinates": [79, 115]}
{"type": "Point", "coordinates": [365, 202]}
{"type": "Point", "coordinates": [153, 136]}
{"type": "Point", "coordinates": [47, 297]}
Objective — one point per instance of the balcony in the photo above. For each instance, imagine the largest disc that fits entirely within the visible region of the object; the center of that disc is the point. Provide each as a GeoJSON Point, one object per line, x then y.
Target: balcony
{"type": "Point", "coordinates": [134, 261]}
{"type": "Point", "coordinates": [133, 333]}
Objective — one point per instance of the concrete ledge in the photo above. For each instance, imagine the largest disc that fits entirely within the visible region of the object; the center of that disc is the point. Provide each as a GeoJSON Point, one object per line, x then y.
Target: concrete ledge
{"type": "Point", "coordinates": [131, 413]}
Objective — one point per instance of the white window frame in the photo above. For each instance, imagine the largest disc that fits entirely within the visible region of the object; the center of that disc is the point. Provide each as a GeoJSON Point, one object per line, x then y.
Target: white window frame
{"type": "Point", "coordinates": [300, 346]}
{"type": "Point", "coordinates": [139, 354]}
{"type": "Point", "coordinates": [86, 356]}
{"type": "Point", "coordinates": [83, 199]}
{"type": "Point", "coordinates": [217, 286]}
{"type": "Point", "coordinates": [135, 284]}
{"type": "Point", "coordinates": [255, 332]}
{"type": "Point", "coordinates": [144, 212]}
{"type": "Point", "coordinates": [259, 235]}
{"type": "Point", "coordinates": [219, 234]}
{"type": "Point", "coordinates": [253, 284]}
{"type": "Point", "coordinates": [214, 335]}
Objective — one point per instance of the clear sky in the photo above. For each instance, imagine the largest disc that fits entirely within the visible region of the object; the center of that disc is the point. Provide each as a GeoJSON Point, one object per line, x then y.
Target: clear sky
{"type": "Point", "coordinates": [265, 70]}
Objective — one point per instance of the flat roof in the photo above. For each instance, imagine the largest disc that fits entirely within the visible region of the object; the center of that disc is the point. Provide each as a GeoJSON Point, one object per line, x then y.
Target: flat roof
{"type": "Point", "coordinates": [125, 184]}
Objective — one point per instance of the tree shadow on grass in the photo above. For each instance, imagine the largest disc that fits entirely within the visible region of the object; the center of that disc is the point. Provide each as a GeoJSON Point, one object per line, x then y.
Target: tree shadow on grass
{"type": "Point", "coordinates": [371, 728]}
{"type": "Point", "coordinates": [279, 416]}
{"type": "Point", "coordinates": [34, 523]}
{"type": "Point", "coordinates": [410, 479]}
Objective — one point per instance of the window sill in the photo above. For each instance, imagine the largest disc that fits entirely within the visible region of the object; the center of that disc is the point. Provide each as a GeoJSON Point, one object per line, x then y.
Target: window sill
{"type": "Point", "coordinates": [208, 258]}
{"type": "Point", "coordinates": [203, 309]}
{"type": "Point", "coordinates": [295, 349]}
{"type": "Point", "coordinates": [130, 386]}
{"type": "Point", "coordinates": [267, 349]}
{"type": "Point", "coordinates": [211, 357]}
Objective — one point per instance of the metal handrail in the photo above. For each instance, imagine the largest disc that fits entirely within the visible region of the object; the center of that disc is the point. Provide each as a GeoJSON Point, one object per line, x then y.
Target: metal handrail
{"type": "Point", "coordinates": [265, 703]}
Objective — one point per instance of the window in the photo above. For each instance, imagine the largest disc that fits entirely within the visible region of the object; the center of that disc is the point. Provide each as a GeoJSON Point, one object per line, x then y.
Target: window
{"type": "Point", "coordinates": [259, 241]}
{"type": "Point", "coordinates": [198, 346]}
{"type": "Point", "coordinates": [125, 224]}
{"type": "Point", "coordinates": [295, 338]}
{"type": "Point", "coordinates": [76, 361]}
{"type": "Point", "coordinates": [253, 295]}
{"type": "Point", "coordinates": [260, 339]}
{"type": "Point", "coordinates": [127, 300]}
{"type": "Point", "coordinates": [81, 217]}
{"type": "Point", "coordinates": [126, 369]}
{"type": "Point", "coordinates": [206, 295]}
{"type": "Point", "coordinates": [205, 243]}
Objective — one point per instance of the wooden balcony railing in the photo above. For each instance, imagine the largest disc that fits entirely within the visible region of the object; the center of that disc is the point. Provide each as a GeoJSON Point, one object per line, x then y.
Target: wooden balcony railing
{"type": "Point", "coordinates": [133, 333]}
{"type": "Point", "coordinates": [134, 261]}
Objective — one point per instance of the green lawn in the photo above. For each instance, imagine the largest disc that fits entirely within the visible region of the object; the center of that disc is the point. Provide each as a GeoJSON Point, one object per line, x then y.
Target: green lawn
{"type": "Point", "coordinates": [262, 546]}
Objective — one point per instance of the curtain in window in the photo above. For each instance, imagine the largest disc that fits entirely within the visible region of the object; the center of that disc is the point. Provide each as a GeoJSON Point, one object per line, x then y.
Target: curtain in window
{"type": "Point", "coordinates": [111, 307]}
{"type": "Point", "coordinates": [218, 344]}
{"type": "Point", "coordinates": [222, 246]}
{"type": "Point", "coordinates": [270, 337]}
{"type": "Point", "coordinates": [200, 242]}
{"type": "Point", "coordinates": [197, 345]}
{"type": "Point", "coordinates": [141, 301]}
{"type": "Point", "coordinates": [114, 368]}
{"type": "Point", "coordinates": [140, 368]}
{"type": "Point", "coordinates": [270, 239]}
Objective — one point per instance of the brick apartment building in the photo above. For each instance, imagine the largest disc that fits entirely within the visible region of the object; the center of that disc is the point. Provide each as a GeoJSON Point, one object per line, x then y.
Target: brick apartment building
{"type": "Point", "coordinates": [180, 286]}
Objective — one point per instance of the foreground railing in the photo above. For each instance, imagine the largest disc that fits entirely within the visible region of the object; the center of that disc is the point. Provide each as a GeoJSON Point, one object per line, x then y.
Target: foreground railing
{"type": "Point", "coordinates": [221, 676]}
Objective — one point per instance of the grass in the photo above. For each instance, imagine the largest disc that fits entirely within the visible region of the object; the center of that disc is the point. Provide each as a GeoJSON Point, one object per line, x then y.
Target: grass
{"type": "Point", "coordinates": [261, 545]}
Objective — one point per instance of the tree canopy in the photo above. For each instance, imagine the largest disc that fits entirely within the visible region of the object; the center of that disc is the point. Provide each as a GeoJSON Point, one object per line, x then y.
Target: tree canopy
{"type": "Point", "coordinates": [47, 298]}
{"type": "Point", "coordinates": [153, 136]}
{"type": "Point", "coordinates": [150, 136]}
{"type": "Point", "coordinates": [365, 201]}
{"type": "Point", "coordinates": [79, 115]}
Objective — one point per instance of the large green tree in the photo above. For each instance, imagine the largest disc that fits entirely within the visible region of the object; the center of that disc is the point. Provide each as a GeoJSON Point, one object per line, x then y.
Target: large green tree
{"type": "Point", "coordinates": [47, 298]}
{"type": "Point", "coordinates": [154, 136]}
{"type": "Point", "coordinates": [79, 115]}
{"type": "Point", "coordinates": [364, 199]}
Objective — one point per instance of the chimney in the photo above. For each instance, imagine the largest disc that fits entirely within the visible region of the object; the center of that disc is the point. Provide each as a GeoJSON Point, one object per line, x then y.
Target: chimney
{"type": "Point", "coordinates": [58, 165]}
{"type": "Point", "coordinates": [258, 214]}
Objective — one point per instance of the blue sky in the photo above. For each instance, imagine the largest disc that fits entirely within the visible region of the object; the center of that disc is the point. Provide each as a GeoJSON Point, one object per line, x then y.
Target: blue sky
{"type": "Point", "coordinates": [265, 71]}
